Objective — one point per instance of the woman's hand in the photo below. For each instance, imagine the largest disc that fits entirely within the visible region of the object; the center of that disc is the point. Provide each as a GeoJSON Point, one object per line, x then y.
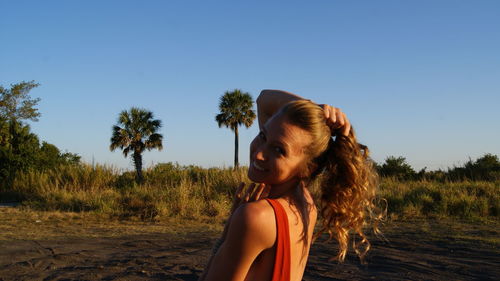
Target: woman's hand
{"type": "Point", "coordinates": [254, 192]}
{"type": "Point", "coordinates": [336, 120]}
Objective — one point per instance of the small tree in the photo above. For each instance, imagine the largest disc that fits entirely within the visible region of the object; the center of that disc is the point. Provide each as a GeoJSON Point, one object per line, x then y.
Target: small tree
{"type": "Point", "coordinates": [16, 104]}
{"type": "Point", "coordinates": [20, 149]}
{"type": "Point", "coordinates": [235, 110]}
{"type": "Point", "coordinates": [18, 145]}
{"type": "Point", "coordinates": [135, 132]}
{"type": "Point", "coordinates": [18, 152]}
{"type": "Point", "coordinates": [397, 167]}
{"type": "Point", "coordinates": [487, 167]}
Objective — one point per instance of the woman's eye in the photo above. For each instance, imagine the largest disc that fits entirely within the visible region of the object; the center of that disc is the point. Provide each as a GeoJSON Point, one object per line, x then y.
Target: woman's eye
{"type": "Point", "coordinates": [262, 136]}
{"type": "Point", "coordinates": [279, 150]}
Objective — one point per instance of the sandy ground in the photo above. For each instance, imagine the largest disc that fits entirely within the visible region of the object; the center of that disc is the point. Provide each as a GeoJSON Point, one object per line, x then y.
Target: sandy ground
{"type": "Point", "coordinates": [419, 250]}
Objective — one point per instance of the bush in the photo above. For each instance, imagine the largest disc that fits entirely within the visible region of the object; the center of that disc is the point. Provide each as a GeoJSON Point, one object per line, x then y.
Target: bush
{"type": "Point", "coordinates": [398, 168]}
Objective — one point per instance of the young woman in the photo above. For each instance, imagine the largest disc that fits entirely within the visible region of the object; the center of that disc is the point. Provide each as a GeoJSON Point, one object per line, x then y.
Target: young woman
{"type": "Point", "coordinates": [270, 229]}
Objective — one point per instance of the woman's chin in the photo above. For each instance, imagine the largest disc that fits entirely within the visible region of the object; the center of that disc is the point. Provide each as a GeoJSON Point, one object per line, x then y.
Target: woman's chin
{"type": "Point", "coordinates": [255, 175]}
{"type": "Point", "coordinates": [251, 175]}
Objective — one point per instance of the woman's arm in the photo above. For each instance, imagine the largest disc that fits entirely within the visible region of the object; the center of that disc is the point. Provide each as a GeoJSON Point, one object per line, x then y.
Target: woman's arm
{"type": "Point", "coordinates": [270, 101]}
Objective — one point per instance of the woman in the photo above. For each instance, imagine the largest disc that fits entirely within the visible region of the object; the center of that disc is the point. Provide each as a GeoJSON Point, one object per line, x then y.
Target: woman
{"type": "Point", "coordinates": [269, 232]}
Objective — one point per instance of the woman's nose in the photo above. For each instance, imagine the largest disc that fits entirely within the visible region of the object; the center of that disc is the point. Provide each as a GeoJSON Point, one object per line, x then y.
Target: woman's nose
{"type": "Point", "coordinates": [259, 154]}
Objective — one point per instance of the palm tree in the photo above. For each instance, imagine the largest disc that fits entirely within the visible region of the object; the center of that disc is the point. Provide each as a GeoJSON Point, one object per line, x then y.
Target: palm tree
{"type": "Point", "coordinates": [136, 131]}
{"type": "Point", "coordinates": [235, 110]}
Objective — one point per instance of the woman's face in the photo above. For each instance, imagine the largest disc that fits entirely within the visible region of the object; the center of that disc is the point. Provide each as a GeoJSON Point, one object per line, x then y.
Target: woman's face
{"type": "Point", "coordinates": [277, 152]}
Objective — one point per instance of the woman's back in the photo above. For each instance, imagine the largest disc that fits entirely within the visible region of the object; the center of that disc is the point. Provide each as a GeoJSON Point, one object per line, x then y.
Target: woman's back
{"type": "Point", "coordinates": [262, 268]}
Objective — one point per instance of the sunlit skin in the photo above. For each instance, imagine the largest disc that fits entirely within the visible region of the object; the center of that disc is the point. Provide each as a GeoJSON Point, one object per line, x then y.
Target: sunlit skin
{"type": "Point", "coordinates": [277, 155]}
{"type": "Point", "coordinates": [277, 158]}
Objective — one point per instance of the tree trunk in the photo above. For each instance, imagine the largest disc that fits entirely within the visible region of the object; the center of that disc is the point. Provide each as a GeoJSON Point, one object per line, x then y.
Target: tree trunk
{"type": "Point", "coordinates": [138, 166]}
{"type": "Point", "coordinates": [13, 141]}
{"type": "Point", "coordinates": [236, 164]}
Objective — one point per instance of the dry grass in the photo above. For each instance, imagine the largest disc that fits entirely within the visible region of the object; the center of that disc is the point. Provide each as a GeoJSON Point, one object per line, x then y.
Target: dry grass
{"type": "Point", "coordinates": [192, 193]}
{"type": "Point", "coordinates": [466, 200]}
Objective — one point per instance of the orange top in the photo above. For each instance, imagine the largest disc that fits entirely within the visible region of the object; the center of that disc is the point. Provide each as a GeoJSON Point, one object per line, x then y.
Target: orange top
{"type": "Point", "coordinates": [281, 270]}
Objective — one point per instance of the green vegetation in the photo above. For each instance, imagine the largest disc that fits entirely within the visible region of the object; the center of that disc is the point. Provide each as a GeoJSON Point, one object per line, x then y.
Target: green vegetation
{"type": "Point", "coordinates": [485, 168]}
{"type": "Point", "coordinates": [235, 110]}
{"type": "Point", "coordinates": [168, 190]}
{"type": "Point", "coordinates": [396, 167]}
{"type": "Point", "coordinates": [43, 178]}
{"type": "Point", "coordinates": [468, 199]}
{"type": "Point", "coordinates": [20, 149]}
{"type": "Point", "coordinates": [16, 104]}
{"type": "Point", "coordinates": [190, 192]}
{"type": "Point", "coordinates": [138, 133]}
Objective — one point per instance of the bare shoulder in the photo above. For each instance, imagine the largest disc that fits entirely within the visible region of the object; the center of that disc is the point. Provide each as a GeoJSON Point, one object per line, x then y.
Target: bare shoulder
{"type": "Point", "coordinates": [248, 235]}
{"type": "Point", "coordinates": [257, 218]}
{"type": "Point", "coordinates": [255, 214]}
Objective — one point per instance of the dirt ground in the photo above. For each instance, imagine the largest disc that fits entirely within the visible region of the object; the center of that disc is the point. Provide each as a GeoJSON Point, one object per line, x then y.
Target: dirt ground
{"type": "Point", "coordinates": [417, 250]}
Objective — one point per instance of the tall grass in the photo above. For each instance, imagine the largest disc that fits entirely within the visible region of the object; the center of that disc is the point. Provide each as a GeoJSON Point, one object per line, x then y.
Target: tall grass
{"type": "Point", "coordinates": [191, 192]}
{"type": "Point", "coordinates": [467, 199]}
{"type": "Point", "coordinates": [169, 190]}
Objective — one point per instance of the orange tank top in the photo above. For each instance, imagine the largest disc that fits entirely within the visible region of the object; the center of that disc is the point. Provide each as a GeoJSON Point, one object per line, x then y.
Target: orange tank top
{"type": "Point", "coordinates": [281, 271]}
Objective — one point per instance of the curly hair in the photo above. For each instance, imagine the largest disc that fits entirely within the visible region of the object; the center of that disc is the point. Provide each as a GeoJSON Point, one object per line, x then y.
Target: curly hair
{"type": "Point", "coordinates": [347, 178]}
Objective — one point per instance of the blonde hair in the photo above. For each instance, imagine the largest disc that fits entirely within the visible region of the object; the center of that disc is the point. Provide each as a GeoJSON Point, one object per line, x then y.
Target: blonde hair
{"type": "Point", "coordinates": [348, 180]}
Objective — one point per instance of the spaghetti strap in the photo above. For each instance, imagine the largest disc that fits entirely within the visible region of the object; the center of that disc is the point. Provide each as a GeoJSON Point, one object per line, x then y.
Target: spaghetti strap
{"type": "Point", "coordinates": [281, 271]}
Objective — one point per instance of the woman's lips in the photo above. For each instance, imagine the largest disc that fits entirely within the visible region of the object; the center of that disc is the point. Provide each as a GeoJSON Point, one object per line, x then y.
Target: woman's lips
{"type": "Point", "coordinates": [257, 167]}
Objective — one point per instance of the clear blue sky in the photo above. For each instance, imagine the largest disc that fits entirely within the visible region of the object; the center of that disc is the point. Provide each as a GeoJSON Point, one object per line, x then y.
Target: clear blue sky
{"type": "Point", "coordinates": [419, 79]}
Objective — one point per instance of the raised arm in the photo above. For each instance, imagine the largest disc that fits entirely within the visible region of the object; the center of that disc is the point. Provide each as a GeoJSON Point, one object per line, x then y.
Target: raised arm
{"type": "Point", "coordinates": [270, 101]}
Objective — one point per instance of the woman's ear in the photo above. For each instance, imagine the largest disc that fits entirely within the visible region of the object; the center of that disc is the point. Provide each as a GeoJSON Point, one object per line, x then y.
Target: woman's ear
{"type": "Point", "coordinates": [307, 169]}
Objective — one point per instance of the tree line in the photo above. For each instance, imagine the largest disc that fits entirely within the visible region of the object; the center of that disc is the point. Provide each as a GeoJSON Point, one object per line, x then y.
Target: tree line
{"type": "Point", "coordinates": [137, 130]}
{"type": "Point", "coordinates": [484, 168]}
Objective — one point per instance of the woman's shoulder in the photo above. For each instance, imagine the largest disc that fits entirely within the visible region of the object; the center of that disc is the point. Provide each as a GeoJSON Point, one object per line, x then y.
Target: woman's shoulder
{"type": "Point", "coordinates": [259, 212]}
{"type": "Point", "coordinates": [257, 217]}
